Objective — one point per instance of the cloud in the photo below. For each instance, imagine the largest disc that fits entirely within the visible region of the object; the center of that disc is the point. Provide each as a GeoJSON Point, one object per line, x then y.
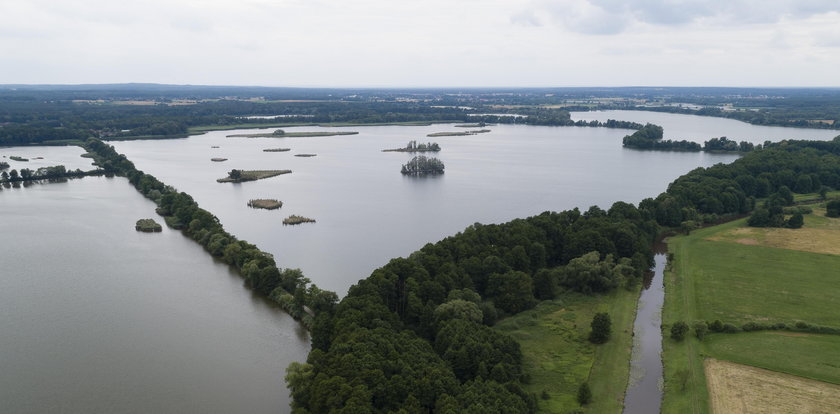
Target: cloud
{"type": "Point", "coordinates": [616, 16]}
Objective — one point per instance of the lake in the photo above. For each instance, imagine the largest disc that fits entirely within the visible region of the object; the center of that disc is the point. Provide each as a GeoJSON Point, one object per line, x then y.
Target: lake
{"type": "Point", "coordinates": [97, 317]}
{"type": "Point", "coordinates": [368, 213]}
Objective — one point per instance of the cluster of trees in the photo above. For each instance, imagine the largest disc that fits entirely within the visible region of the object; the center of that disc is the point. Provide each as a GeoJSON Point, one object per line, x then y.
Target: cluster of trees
{"type": "Point", "coordinates": [832, 208]}
{"type": "Point", "coordinates": [288, 287]}
{"type": "Point", "coordinates": [416, 332]}
{"type": "Point", "coordinates": [422, 165]}
{"type": "Point", "coordinates": [43, 173]}
{"type": "Point", "coordinates": [649, 137]}
{"type": "Point", "coordinates": [429, 146]}
{"type": "Point", "coordinates": [724, 144]}
{"type": "Point", "coordinates": [4, 165]}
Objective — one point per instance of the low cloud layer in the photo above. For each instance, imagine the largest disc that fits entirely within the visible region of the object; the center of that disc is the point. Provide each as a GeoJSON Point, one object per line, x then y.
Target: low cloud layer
{"type": "Point", "coordinates": [421, 42]}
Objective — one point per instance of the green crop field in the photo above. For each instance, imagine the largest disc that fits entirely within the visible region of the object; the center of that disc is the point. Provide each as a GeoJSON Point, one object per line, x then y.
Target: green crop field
{"type": "Point", "coordinates": [727, 272]}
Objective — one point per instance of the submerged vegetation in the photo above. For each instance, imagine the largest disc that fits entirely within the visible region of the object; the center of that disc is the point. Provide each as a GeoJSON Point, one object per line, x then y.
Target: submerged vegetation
{"type": "Point", "coordinates": [241, 176]}
{"type": "Point", "coordinates": [420, 165]}
{"type": "Point", "coordinates": [293, 219]}
{"type": "Point", "coordinates": [265, 203]}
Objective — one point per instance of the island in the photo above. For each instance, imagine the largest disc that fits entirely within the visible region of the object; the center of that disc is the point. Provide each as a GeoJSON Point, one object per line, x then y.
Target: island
{"type": "Point", "coordinates": [283, 134]}
{"type": "Point", "coordinates": [148, 226]}
{"type": "Point", "coordinates": [476, 125]}
{"type": "Point", "coordinates": [218, 159]}
{"type": "Point", "coordinates": [458, 133]}
{"type": "Point", "coordinates": [293, 219]}
{"type": "Point", "coordinates": [241, 176]}
{"type": "Point", "coordinates": [16, 158]}
{"type": "Point", "coordinates": [413, 146]}
{"type": "Point", "coordinates": [421, 165]}
{"type": "Point", "coordinates": [265, 203]}
{"type": "Point", "coordinates": [277, 149]}
{"type": "Point", "coordinates": [305, 155]}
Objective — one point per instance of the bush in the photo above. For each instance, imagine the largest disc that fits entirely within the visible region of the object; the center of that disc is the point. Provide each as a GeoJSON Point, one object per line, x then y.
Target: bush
{"type": "Point", "coordinates": [701, 329]}
{"type": "Point", "coordinates": [832, 209]}
{"type": "Point", "coordinates": [601, 328]}
{"type": "Point", "coordinates": [678, 330]}
{"type": "Point", "coordinates": [730, 328]}
{"type": "Point", "coordinates": [584, 395]}
{"type": "Point", "coordinates": [716, 326]}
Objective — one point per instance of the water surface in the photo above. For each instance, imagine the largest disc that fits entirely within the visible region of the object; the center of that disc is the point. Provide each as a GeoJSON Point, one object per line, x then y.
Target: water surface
{"type": "Point", "coordinates": [368, 213]}
{"type": "Point", "coordinates": [97, 317]}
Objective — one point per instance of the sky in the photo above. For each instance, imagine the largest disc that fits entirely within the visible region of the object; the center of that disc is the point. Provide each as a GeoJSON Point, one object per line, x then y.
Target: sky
{"type": "Point", "coordinates": [422, 43]}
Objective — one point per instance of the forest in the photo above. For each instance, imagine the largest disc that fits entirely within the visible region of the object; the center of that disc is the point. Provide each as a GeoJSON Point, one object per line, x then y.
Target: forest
{"type": "Point", "coordinates": [414, 336]}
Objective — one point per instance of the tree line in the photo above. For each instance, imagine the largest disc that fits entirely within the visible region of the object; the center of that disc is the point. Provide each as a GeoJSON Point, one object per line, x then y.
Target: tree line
{"type": "Point", "coordinates": [287, 287]}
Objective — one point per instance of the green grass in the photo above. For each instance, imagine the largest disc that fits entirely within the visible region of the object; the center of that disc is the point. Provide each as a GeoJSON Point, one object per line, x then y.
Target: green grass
{"type": "Point", "coordinates": [558, 356]}
{"type": "Point", "coordinates": [804, 355]}
{"type": "Point", "coordinates": [738, 283]}
{"type": "Point", "coordinates": [814, 197]}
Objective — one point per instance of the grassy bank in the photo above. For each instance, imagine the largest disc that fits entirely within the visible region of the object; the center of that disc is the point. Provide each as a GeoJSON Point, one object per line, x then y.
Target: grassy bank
{"type": "Point", "coordinates": [558, 356]}
{"type": "Point", "coordinates": [738, 275]}
{"type": "Point", "coordinates": [206, 128]}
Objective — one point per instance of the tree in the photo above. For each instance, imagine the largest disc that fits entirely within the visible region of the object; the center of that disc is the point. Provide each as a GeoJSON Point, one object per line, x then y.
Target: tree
{"type": "Point", "coordinates": [832, 209]}
{"type": "Point", "coordinates": [701, 329]}
{"type": "Point", "coordinates": [601, 328]}
{"type": "Point", "coordinates": [678, 330]}
{"type": "Point", "coordinates": [796, 221]}
{"type": "Point", "coordinates": [235, 174]}
{"type": "Point", "coordinates": [584, 395]}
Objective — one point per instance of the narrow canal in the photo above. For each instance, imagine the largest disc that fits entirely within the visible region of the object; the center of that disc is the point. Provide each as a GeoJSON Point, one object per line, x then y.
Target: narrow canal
{"type": "Point", "coordinates": [644, 393]}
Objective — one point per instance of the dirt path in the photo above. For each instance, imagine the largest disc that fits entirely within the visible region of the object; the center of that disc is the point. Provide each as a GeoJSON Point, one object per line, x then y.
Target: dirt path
{"type": "Point", "coordinates": [736, 389]}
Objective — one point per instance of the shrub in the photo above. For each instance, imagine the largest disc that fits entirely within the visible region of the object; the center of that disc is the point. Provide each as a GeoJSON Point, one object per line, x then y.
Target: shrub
{"type": "Point", "coordinates": [584, 395]}
{"type": "Point", "coordinates": [678, 330]}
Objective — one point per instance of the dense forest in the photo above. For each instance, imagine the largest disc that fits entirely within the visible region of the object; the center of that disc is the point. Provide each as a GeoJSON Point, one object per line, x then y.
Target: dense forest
{"type": "Point", "coordinates": [414, 336]}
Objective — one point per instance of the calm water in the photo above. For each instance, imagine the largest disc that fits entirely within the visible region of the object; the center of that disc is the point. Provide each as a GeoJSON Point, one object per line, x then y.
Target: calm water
{"type": "Point", "coordinates": [702, 128]}
{"type": "Point", "coordinates": [96, 317]}
{"type": "Point", "coordinates": [368, 213]}
{"type": "Point", "coordinates": [51, 156]}
{"type": "Point", "coordinates": [644, 393]}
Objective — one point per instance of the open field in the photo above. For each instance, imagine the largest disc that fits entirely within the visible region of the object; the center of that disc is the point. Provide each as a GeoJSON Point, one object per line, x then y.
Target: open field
{"type": "Point", "coordinates": [739, 388]}
{"type": "Point", "coordinates": [753, 283]}
{"type": "Point", "coordinates": [559, 357]}
{"type": "Point", "coordinates": [801, 354]}
{"type": "Point", "coordinates": [716, 275]}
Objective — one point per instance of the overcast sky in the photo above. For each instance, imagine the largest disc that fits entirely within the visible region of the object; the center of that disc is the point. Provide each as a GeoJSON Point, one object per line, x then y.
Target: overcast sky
{"type": "Point", "coordinates": [355, 43]}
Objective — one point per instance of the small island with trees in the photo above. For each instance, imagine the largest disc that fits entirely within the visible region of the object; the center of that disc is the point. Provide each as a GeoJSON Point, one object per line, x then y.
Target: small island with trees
{"type": "Point", "coordinates": [16, 158]}
{"type": "Point", "coordinates": [293, 219]}
{"type": "Point", "coordinates": [421, 165]}
{"type": "Point", "coordinates": [241, 176]}
{"type": "Point", "coordinates": [413, 146]}
{"type": "Point", "coordinates": [305, 155]}
{"type": "Point", "coordinates": [265, 203]}
{"type": "Point", "coordinates": [218, 159]}
{"type": "Point", "coordinates": [277, 149]}
{"type": "Point", "coordinates": [283, 134]}
{"type": "Point", "coordinates": [148, 226]}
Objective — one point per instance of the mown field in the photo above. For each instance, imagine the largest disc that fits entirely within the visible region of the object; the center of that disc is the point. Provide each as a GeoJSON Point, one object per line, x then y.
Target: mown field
{"type": "Point", "coordinates": [559, 357]}
{"type": "Point", "coordinates": [738, 275]}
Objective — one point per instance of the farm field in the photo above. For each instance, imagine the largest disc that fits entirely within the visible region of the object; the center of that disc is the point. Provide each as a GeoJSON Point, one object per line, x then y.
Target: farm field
{"type": "Point", "coordinates": [738, 274]}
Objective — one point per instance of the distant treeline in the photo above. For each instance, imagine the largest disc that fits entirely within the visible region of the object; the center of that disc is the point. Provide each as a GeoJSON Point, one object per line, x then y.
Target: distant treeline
{"type": "Point", "coordinates": [287, 287]}
{"type": "Point", "coordinates": [804, 115]}
{"type": "Point", "coordinates": [414, 335]}
{"type": "Point", "coordinates": [38, 116]}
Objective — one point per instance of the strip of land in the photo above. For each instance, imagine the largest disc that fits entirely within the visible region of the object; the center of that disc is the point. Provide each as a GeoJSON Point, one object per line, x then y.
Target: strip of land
{"type": "Point", "coordinates": [295, 134]}
{"type": "Point", "coordinates": [253, 175]}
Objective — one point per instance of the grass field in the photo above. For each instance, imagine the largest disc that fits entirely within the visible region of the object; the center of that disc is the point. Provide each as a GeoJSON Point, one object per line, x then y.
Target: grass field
{"type": "Point", "coordinates": [558, 356]}
{"type": "Point", "coordinates": [718, 275]}
{"type": "Point", "coordinates": [740, 389]}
